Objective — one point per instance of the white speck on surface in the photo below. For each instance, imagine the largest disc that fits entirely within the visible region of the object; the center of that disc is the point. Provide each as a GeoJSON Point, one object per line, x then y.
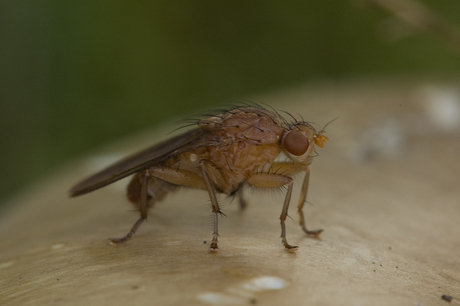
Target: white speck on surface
{"type": "Point", "coordinates": [386, 138]}
{"type": "Point", "coordinates": [241, 293]}
{"type": "Point", "coordinates": [6, 264]}
{"type": "Point", "coordinates": [57, 246]}
{"type": "Point", "coordinates": [266, 283]}
{"type": "Point", "coordinates": [442, 105]}
{"type": "Point", "coordinates": [220, 299]}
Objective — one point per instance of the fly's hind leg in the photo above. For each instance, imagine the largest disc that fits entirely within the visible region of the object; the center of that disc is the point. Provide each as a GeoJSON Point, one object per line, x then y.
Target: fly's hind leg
{"type": "Point", "coordinates": [153, 185]}
{"type": "Point", "coordinates": [143, 208]}
{"type": "Point", "coordinates": [303, 197]}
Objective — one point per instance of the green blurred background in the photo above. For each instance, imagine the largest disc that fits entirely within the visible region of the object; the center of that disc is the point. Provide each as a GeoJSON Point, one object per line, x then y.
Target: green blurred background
{"type": "Point", "coordinates": [78, 74]}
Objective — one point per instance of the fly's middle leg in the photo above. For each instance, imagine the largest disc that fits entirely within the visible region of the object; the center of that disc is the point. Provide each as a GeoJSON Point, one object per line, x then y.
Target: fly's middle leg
{"type": "Point", "coordinates": [215, 205]}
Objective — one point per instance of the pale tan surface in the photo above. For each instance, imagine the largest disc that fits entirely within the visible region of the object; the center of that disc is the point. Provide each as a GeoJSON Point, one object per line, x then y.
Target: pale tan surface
{"type": "Point", "coordinates": [391, 217]}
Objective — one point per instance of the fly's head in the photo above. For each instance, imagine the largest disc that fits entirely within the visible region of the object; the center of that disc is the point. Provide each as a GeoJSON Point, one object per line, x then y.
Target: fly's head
{"type": "Point", "coordinates": [298, 143]}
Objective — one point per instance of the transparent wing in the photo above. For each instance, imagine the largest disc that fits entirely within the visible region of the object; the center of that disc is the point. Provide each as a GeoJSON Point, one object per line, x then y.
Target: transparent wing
{"type": "Point", "coordinates": [142, 160]}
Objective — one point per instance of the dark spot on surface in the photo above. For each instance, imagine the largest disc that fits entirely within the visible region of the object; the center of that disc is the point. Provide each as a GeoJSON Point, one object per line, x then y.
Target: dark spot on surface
{"type": "Point", "coordinates": [253, 301]}
{"type": "Point", "coordinates": [204, 242]}
{"type": "Point", "coordinates": [134, 287]}
{"type": "Point", "coordinates": [446, 298]}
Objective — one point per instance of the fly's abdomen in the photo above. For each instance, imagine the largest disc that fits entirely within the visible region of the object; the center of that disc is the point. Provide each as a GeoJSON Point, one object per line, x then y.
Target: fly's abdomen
{"type": "Point", "coordinates": [156, 191]}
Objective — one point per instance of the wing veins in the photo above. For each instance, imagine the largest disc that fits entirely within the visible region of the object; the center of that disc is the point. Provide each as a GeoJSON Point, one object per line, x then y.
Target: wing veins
{"type": "Point", "coordinates": [142, 160]}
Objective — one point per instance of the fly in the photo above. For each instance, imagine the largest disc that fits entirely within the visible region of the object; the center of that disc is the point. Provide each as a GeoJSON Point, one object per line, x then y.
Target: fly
{"type": "Point", "coordinates": [222, 153]}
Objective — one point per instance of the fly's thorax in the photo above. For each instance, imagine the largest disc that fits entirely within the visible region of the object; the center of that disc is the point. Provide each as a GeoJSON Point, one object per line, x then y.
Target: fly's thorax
{"type": "Point", "coordinates": [244, 157]}
{"type": "Point", "coordinates": [238, 161]}
{"type": "Point", "coordinates": [247, 123]}
{"type": "Point", "coordinates": [298, 144]}
{"type": "Point", "coordinates": [189, 160]}
{"type": "Point", "coordinates": [254, 126]}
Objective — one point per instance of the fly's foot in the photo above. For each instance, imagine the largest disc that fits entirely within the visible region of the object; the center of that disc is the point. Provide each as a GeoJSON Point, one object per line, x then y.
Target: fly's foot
{"type": "Point", "coordinates": [314, 233]}
{"type": "Point", "coordinates": [117, 241]}
{"type": "Point", "coordinates": [288, 246]}
{"type": "Point", "coordinates": [213, 247]}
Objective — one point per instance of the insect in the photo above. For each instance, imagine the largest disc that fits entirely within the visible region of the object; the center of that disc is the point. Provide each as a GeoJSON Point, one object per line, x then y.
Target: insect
{"type": "Point", "coordinates": [225, 151]}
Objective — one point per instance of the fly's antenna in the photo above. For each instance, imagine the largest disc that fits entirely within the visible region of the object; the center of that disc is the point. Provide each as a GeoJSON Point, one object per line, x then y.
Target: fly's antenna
{"type": "Point", "coordinates": [320, 138]}
{"type": "Point", "coordinates": [323, 130]}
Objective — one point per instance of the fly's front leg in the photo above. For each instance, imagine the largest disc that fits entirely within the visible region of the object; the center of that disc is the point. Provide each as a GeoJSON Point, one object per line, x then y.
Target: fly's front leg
{"type": "Point", "coordinates": [273, 180]}
{"type": "Point", "coordinates": [143, 209]}
{"type": "Point", "coordinates": [303, 197]}
{"type": "Point", "coordinates": [291, 169]}
{"type": "Point", "coordinates": [215, 205]}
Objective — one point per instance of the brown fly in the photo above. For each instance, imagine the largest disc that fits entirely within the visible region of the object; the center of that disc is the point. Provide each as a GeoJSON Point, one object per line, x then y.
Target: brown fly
{"type": "Point", "coordinates": [239, 146]}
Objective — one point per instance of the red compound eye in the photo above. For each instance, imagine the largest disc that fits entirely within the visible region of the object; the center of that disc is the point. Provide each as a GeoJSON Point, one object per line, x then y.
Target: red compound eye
{"type": "Point", "coordinates": [296, 143]}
